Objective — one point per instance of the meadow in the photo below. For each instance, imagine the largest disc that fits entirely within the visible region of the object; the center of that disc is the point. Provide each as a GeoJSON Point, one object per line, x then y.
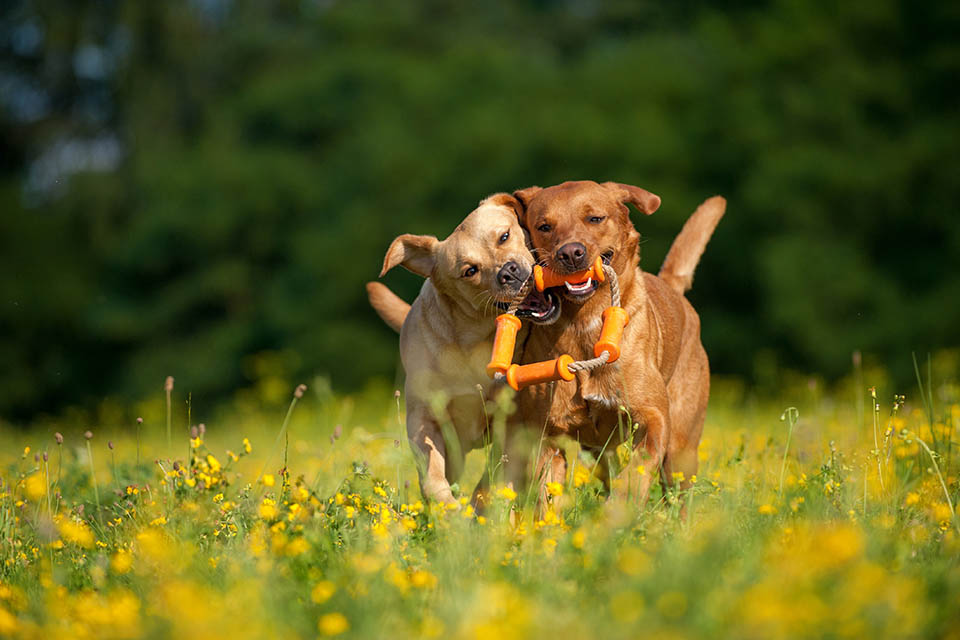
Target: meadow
{"type": "Point", "coordinates": [815, 513]}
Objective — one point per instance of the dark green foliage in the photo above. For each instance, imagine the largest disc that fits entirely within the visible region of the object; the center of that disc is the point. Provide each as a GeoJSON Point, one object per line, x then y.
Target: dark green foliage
{"type": "Point", "coordinates": [271, 151]}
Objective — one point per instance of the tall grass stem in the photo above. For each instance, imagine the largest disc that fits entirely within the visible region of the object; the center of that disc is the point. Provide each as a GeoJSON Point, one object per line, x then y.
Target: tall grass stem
{"type": "Point", "coordinates": [93, 473]}
{"type": "Point", "coordinates": [791, 415]}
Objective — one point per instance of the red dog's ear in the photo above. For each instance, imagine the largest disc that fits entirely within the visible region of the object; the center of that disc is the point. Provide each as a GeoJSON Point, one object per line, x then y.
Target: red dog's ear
{"type": "Point", "coordinates": [643, 200]}
{"type": "Point", "coordinates": [414, 253]}
{"type": "Point", "coordinates": [506, 200]}
{"type": "Point", "coordinates": [526, 195]}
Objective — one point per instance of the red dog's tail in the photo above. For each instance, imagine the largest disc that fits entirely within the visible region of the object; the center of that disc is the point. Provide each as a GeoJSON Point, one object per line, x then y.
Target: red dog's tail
{"type": "Point", "coordinates": [390, 307]}
{"type": "Point", "coordinates": [689, 245]}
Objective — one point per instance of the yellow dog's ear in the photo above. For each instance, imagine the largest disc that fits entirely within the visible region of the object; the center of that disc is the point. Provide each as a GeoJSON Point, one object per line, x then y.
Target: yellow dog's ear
{"type": "Point", "coordinates": [414, 253]}
{"type": "Point", "coordinates": [508, 201]}
{"type": "Point", "coordinates": [643, 200]}
{"type": "Point", "coordinates": [526, 195]}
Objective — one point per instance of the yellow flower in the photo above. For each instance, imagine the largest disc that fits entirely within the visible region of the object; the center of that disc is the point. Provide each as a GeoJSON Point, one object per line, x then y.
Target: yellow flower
{"type": "Point", "coordinates": [268, 509]}
{"type": "Point", "coordinates": [8, 622]}
{"type": "Point", "coordinates": [766, 509]}
{"type": "Point", "coordinates": [156, 522]}
{"type": "Point", "coordinates": [297, 546]}
{"type": "Point", "coordinates": [581, 476]}
{"type": "Point", "coordinates": [349, 511]}
{"type": "Point", "coordinates": [941, 512]}
{"type": "Point", "coordinates": [195, 442]}
{"type": "Point", "coordinates": [76, 532]}
{"type": "Point", "coordinates": [422, 579]}
{"type": "Point", "coordinates": [246, 446]}
{"type": "Point", "coordinates": [578, 538]}
{"type": "Point", "coordinates": [642, 470]}
{"type": "Point", "coordinates": [35, 486]}
{"type": "Point", "coordinates": [332, 624]}
{"type": "Point", "coordinates": [507, 494]}
{"type": "Point", "coordinates": [912, 499]}
{"type": "Point", "coordinates": [121, 562]}
{"type": "Point", "coordinates": [267, 480]}
{"type": "Point", "coordinates": [322, 591]}
{"type": "Point", "coordinates": [555, 488]}
{"type": "Point", "coordinates": [214, 463]}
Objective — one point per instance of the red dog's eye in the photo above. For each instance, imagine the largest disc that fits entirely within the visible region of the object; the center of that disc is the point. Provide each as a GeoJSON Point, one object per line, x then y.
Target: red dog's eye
{"type": "Point", "coordinates": [544, 228]}
{"type": "Point", "coordinates": [596, 219]}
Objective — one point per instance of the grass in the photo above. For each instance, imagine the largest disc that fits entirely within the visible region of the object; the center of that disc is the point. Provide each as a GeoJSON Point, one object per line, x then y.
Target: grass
{"type": "Point", "coordinates": [791, 532]}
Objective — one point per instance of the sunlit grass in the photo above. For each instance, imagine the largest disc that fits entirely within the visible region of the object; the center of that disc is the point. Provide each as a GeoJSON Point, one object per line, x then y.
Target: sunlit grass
{"type": "Point", "coordinates": [259, 525]}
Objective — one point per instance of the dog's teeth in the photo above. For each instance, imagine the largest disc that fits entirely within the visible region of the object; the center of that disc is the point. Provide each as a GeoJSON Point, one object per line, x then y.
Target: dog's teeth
{"type": "Point", "coordinates": [579, 288]}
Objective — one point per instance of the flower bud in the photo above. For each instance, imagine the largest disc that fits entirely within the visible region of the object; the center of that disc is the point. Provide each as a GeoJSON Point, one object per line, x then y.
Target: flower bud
{"type": "Point", "coordinates": [58, 437]}
{"type": "Point", "coordinates": [88, 434]}
{"type": "Point", "coordinates": [168, 384]}
{"type": "Point", "coordinates": [298, 392]}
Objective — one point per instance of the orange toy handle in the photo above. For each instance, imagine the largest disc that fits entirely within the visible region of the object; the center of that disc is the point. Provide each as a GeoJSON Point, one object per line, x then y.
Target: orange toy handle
{"type": "Point", "coordinates": [520, 376]}
{"type": "Point", "coordinates": [544, 278]}
{"type": "Point", "coordinates": [503, 342]}
{"type": "Point", "coordinates": [614, 320]}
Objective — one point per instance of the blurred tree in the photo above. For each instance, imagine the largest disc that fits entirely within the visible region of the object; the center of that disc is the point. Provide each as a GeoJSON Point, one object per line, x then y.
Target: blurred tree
{"type": "Point", "coordinates": [189, 182]}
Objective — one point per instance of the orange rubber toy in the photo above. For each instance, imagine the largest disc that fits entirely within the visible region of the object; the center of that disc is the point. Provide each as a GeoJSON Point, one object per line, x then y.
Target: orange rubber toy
{"type": "Point", "coordinates": [614, 320]}
{"type": "Point", "coordinates": [520, 376]}
{"type": "Point", "coordinates": [546, 278]}
{"type": "Point", "coordinates": [503, 342]}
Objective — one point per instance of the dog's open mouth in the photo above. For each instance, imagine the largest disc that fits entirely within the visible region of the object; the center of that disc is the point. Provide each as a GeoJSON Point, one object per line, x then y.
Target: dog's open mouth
{"type": "Point", "coordinates": [580, 291]}
{"type": "Point", "coordinates": [541, 307]}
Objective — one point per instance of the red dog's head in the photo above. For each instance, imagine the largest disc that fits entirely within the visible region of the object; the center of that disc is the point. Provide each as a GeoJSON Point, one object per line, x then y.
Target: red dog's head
{"type": "Point", "coordinates": [570, 224]}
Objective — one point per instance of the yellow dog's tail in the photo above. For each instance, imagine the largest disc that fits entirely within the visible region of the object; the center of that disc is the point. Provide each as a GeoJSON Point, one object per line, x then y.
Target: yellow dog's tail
{"type": "Point", "coordinates": [689, 245]}
{"type": "Point", "coordinates": [388, 305]}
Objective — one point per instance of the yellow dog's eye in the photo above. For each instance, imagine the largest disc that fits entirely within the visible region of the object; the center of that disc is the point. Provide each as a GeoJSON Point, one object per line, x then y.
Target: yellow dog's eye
{"type": "Point", "coordinates": [504, 237]}
{"type": "Point", "coordinates": [469, 272]}
{"type": "Point", "coordinates": [596, 219]}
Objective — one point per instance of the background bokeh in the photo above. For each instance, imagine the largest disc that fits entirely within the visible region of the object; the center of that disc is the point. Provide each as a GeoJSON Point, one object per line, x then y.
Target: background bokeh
{"type": "Point", "coordinates": [187, 184]}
